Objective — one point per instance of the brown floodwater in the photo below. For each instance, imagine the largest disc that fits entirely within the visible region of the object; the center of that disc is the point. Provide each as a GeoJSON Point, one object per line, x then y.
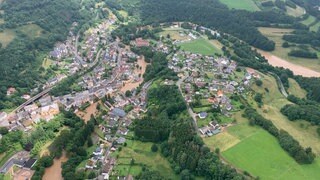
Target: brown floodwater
{"type": "Point", "coordinates": [54, 172]}
{"type": "Point", "coordinates": [129, 85]}
{"type": "Point", "coordinates": [91, 110]}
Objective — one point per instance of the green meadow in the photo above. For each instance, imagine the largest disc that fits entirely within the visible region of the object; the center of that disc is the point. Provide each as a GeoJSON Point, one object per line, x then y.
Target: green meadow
{"type": "Point", "coordinates": [261, 155]}
{"type": "Point", "coordinates": [248, 5]}
{"type": "Point", "coordinates": [142, 155]}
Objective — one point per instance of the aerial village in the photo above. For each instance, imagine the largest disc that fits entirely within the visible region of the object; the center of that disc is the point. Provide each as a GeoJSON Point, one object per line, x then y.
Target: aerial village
{"type": "Point", "coordinates": [208, 85]}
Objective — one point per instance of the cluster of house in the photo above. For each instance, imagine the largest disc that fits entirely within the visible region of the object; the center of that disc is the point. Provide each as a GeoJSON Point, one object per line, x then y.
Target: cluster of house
{"type": "Point", "coordinates": [212, 129]}
{"type": "Point", "coordinates": [95, 37]}
{"type": "Point", "coordinates": [24, 165]}
{"type": "Point", "coordinates": [213, 79]}
{"type": "Point", "coordinates": [45, 109]}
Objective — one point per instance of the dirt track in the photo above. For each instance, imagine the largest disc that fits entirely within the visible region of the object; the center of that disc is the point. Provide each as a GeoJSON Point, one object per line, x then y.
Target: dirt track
{"type": "Point", "coordinates": [296, 69]}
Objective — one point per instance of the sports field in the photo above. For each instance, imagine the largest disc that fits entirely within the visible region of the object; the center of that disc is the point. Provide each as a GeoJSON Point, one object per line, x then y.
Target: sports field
{"type": "Point", "coordinates": [200, 46]}
{"type": "Point", "coordinates": [248, 5]}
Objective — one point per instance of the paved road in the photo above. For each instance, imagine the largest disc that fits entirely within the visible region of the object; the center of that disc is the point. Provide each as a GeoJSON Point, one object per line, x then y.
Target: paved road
{"type": "Point", "coordinates": [280, 85]}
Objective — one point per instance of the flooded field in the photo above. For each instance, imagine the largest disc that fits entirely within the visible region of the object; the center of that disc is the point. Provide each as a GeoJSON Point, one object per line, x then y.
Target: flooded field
{"type": "Point", "coordinates": [91, 110]}
{"type": "Point", "coordinates": [296, 69]}
{"type": "Point", "coordinates": [131, 85]}
{"type": "Point", "coordinates": [54, 172]}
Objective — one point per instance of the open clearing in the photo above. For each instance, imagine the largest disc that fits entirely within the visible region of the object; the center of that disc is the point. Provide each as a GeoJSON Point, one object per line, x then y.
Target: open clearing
{"type": "Point", "coordinates": [273, 101]}
{"type": "Point", "coordinates": [315, 27]}
{"type": "Point", "coordinates": [6, 37]}
{"type": "Point", "coordinates": [142, 154]}
{"type": "Point", "coordinates": [31, 30]}
{"type": "Point", "coordinates": [175, 34]}
{"type": "Point", "coordinates": [248, 5]}
{"type": "Point", "coordinates": [297, 12]}
{"type": "Point", "coordinates": [309, 20]}
{"type": "Point", "coordinates": [279, 57]}
{"type": "Point", "coordinates": [295, 89]}
{"type": "Point", "coordinates": [200, 46]}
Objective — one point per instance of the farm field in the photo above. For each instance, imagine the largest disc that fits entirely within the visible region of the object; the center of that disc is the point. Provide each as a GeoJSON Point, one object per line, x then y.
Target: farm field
{"type": "Point", "coordinates": [276, 34]}
{"type": "Point", "coordinates": [273, 101]}
{"type": "Point", "coordinates": [261, 155]}
{"type": "Point", "coordinates": [252, 149]}
{"type": "Point", "coordinates": [201, 46]}
{"type": "Point", "coordinates": [142, 154]}
{"type": "Point", "coordinates": [244, 4]}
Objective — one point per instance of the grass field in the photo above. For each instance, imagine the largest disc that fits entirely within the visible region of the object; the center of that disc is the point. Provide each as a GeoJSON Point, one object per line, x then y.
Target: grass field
{"type": "Point", "coordinates": [299, 11]}
{"type": "Point", "coordinates": [142, 154]}
{"type": "Point", "coordinates": [124, 13]}
{"type": "Point", "coordinates": [175, 34]}
{"type": "Point", "coordinates": [273, 101]}
{"type": "Point", "coordinates": [248, 5]}
{"type": "Point", "coordinates": [295, 89]}
{"type": "Point", "coordinates": [201, 46]}
{"type": "Point", "coordinates": [31, 30]}
{"type": "Point", "coordinates": [276, 34]}
{"type": "Point", "coordinates": [315, 27]}
{"type": "Point", "coordinates": [46, 63]}
{"type": "Point", "coordinates": [261, 155]}
{"type": "Point", "coordinates": [309, 20]}
{"type": "Point", "coordinates": [232, 135]}
{"type": "Point", "coordinates": [6, 37]}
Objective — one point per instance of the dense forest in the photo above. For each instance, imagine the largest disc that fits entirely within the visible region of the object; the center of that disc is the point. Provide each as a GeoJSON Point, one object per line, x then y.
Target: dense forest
{"type": "Point", "coordinates": [213, 14]}
{"type": "Point", "coordinates": [21, 59]}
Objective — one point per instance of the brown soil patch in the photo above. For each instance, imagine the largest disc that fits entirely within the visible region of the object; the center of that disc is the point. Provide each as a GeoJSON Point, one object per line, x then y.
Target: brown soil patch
{"type": "Point", "coordinates": [296, 69]}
